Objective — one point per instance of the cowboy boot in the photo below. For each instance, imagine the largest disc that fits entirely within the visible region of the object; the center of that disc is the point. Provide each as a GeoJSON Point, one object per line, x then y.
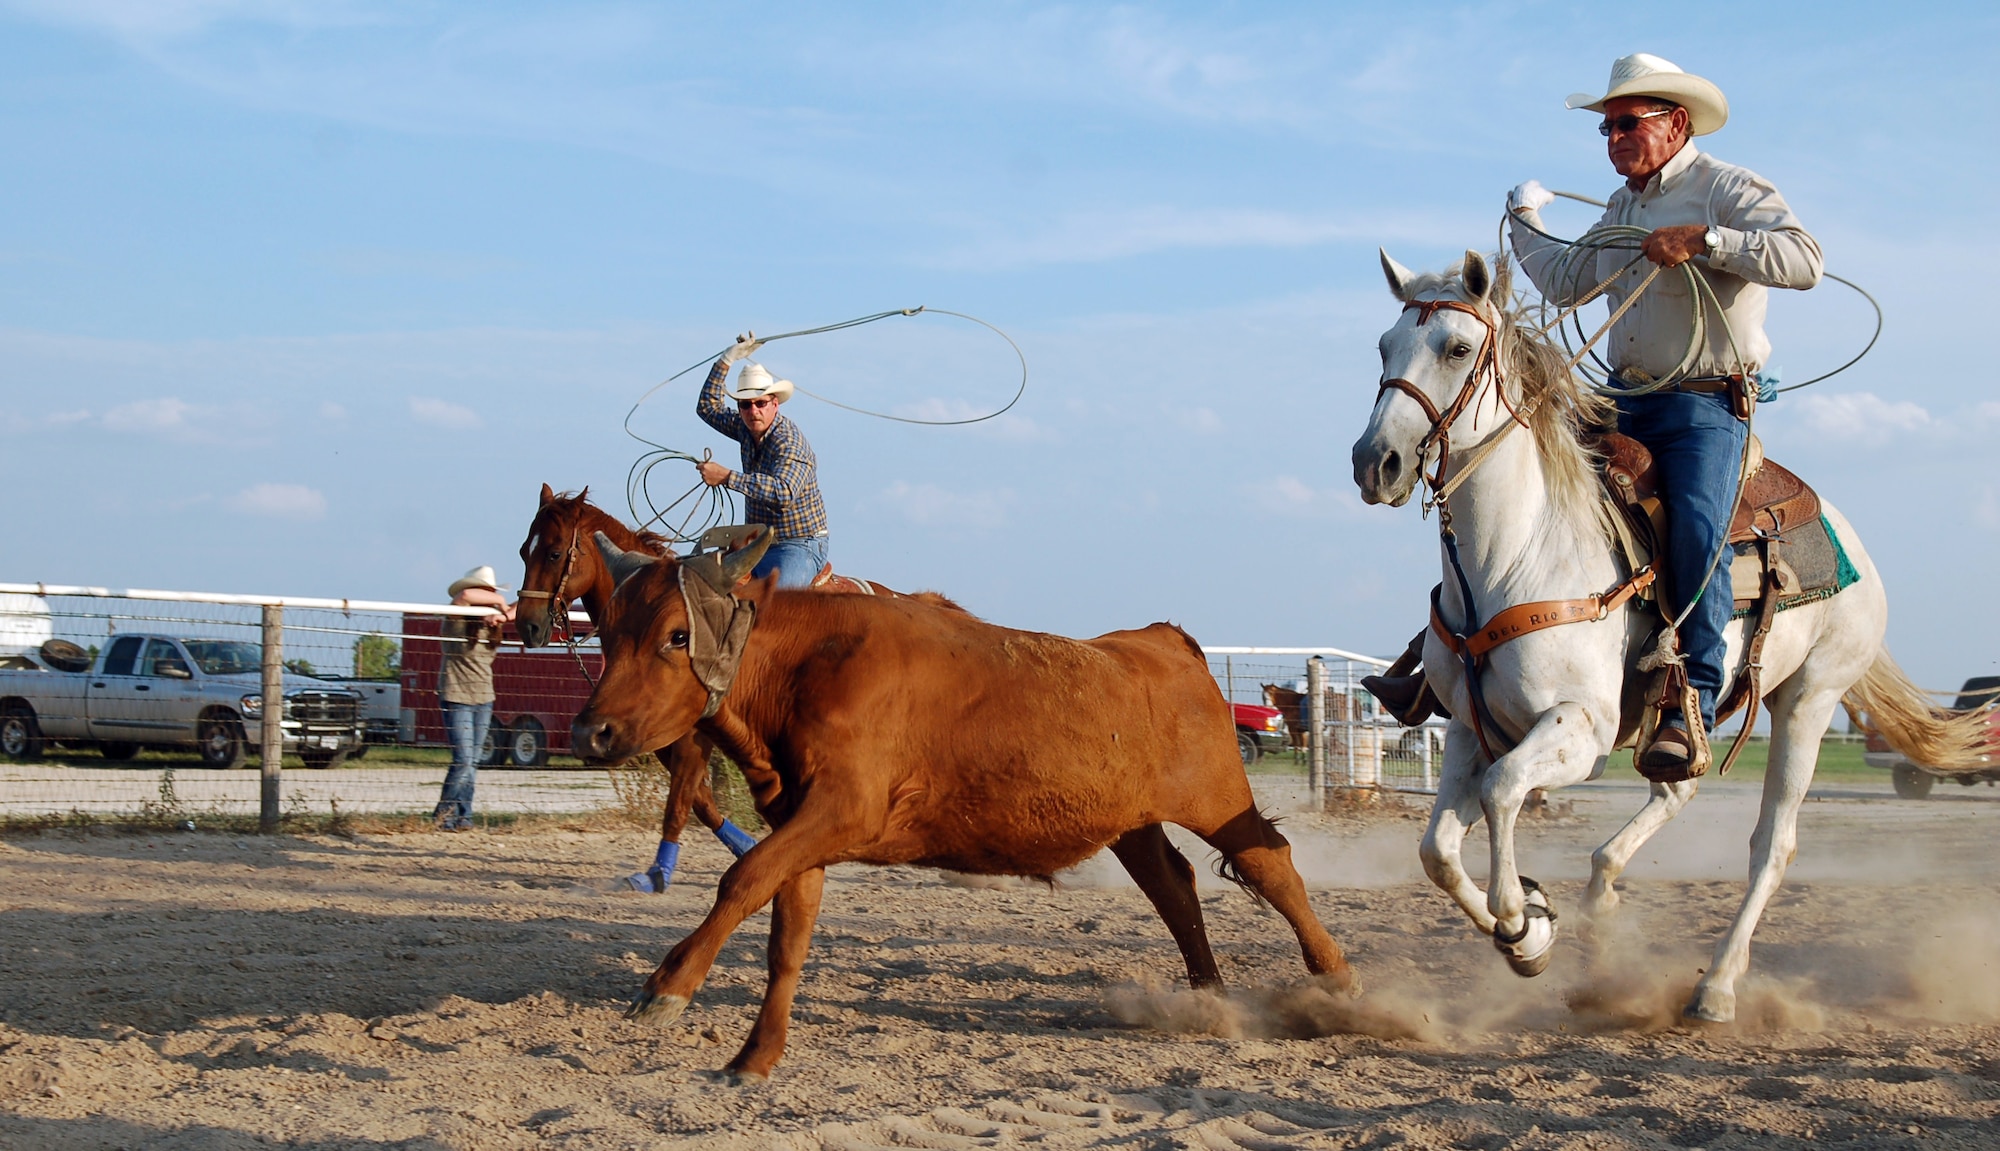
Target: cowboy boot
{"type": "Point", "coordinates": [1402, 689]}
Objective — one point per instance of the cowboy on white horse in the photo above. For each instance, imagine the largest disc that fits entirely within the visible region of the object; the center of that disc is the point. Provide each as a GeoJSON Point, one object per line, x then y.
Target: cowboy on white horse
{"type": "Point", "coordinates": [1744, 239]}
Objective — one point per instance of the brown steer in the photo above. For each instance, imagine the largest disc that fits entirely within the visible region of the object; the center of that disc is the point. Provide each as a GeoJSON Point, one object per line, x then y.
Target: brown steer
{"type": "Point", "coordinates": [883, 731]}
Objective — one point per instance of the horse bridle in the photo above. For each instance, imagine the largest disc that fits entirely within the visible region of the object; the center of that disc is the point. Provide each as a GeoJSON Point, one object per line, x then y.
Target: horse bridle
{"type": "Point", "coordinates": [559, 603]}
{"type": "Point", "coordinates": [1439, 435]}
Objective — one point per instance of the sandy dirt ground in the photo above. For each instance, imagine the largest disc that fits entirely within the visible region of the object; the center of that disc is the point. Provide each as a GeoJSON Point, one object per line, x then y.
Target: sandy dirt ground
{"type": "Point", "coordinates": [432, 991]}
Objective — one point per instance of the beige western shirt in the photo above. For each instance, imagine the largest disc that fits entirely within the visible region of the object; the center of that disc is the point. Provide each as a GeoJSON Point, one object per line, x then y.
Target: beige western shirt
{"type": "Point", "coordinates": [467, 673]}
{"type": "Point", "coordinates": [1762, 246]}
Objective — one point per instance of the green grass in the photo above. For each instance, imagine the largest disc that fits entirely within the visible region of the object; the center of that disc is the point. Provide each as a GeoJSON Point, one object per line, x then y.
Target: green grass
{"type": "Point", "coordinates": [1839, 759]}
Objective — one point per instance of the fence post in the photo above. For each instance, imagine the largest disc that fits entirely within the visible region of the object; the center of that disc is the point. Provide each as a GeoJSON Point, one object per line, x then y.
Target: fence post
{"type": "Point", "coordinates": [1229, 679]}
{"type": "Point", "coordinates": [1353, 710]}
{"type": "Point", "coordinates": [1316, 727]}
{"type": "Point", "coordinates": [272, 737]}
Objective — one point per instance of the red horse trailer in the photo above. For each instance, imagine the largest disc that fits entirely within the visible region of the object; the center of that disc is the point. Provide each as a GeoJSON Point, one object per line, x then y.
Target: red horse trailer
{"type": "Point", "coordinates": [537, 692]}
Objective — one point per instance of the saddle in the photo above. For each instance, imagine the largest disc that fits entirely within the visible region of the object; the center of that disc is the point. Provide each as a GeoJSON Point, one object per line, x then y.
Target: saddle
{"type": "Point", "coordinates": [839, 584]}
{"type": "Point", "coordinates": [1775, 507]}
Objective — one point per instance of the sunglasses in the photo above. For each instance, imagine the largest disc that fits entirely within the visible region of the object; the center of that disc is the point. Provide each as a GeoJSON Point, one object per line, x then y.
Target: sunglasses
{"type": "Point", "coordinates": [744, 405]}
{"type": "Point", "coordinates": [1630, 121]}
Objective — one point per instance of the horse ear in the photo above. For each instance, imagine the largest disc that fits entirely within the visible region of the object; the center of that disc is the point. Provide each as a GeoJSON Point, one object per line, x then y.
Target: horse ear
{"type": "Point", "coordinates": [622, 564]}
{"type": "Point", "coordinates": [1478, 277]}
{"type": "Point", "coordinates": [548, 495]}
{"type": "Point", "coordinates": [1399, 276]}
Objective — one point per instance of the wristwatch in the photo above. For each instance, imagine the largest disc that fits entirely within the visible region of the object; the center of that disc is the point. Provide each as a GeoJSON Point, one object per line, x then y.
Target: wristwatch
{"type": "Point", "coordinates": [1711, 240]}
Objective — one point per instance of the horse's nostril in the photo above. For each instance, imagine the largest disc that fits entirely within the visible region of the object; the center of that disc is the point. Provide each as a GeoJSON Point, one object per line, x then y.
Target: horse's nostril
{"type": "Point", "coordinates": [1392, 467]}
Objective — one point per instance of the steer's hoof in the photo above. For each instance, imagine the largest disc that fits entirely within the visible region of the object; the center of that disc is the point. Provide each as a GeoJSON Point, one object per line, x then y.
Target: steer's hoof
{"type": "Point", "coordinates": [656, 1010]}
{"type": "Point", "coordinates": [1529, 952]}
{"type": "Point", "coordinates": [1710, 1005]}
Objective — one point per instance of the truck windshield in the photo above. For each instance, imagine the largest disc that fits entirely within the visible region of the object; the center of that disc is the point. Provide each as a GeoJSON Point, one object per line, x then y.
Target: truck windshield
{"type": "Point", "coordinates": [225, 656]}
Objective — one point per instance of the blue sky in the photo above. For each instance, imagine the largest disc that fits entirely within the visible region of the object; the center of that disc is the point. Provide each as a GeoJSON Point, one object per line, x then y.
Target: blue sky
{"type": "Point", "coordinates": [312, 297]}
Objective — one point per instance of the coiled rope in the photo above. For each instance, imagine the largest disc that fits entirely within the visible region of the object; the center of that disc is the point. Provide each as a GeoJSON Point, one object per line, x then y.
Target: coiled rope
{"type": "Point", "coordinates": [708, 507]}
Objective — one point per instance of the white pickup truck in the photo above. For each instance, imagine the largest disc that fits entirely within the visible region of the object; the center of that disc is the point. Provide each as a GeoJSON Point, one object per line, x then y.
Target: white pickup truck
{"type": "Point", "coordinates": [204, 695]}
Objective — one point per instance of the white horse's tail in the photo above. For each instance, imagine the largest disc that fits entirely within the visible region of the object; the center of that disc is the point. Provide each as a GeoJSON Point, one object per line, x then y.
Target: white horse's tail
{"type": "Point", "coordinates": [1902, 713]}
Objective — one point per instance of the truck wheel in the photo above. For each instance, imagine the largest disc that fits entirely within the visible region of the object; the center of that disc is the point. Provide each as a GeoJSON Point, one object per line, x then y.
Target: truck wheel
{"type": "Point", "coordinates": [529, 746]}
{"type": "Point", "coordinates": [118, 750]}
{"type": "Point", "coordinates": [1246, 746]}
{"type": "Point", "coordinates": [20, 735]}
{"type": "Point", "coordinates": [220, 741]}
{"type": "Point", "coordinates": [320, 759]}
{"type": "Point", "coordinates": [1911, 782]}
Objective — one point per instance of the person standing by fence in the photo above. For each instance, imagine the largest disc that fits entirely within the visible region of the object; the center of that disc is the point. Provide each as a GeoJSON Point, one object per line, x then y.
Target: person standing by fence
{"type": "Point", "coordinates": [465, 689]}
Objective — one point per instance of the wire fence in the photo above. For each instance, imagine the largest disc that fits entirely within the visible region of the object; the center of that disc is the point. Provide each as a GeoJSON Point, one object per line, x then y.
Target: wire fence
{"type": "Point", "coordinates": [153, 703]}
{"type": "Point", "coordinates": [137, 703]}
{"type": "Point", "coordinates": [1359, 745]}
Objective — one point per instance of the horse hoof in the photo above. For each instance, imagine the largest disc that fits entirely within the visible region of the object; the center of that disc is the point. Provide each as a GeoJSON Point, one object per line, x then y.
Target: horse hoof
{"type": "Point", "coordinates": [646, 882]}
{"type": "Point", "coordinates": [1529, 952]}
{"type": "Point", "coordinates": [656, 1010]}
{"type": "Point", "coordinates": [1710, 1006]}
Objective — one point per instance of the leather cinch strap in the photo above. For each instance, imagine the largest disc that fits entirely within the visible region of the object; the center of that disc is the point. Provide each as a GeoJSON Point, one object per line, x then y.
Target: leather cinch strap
{"type": "Point", "coordinates": [1526, 618]}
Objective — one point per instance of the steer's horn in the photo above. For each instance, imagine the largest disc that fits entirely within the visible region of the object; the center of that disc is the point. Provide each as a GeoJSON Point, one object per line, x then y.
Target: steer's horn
{"type": "Point", "coordinates": [724, 572]}
{"type": "Point", "coordinates": [622, 564]}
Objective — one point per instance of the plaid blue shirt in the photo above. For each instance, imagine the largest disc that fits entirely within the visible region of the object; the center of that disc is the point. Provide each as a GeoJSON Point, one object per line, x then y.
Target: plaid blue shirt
{"type": "Point", "coordinates": [779, 478]}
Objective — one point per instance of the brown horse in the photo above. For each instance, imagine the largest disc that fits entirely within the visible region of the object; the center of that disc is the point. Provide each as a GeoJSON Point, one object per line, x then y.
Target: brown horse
{"type": "Point", "coordinates": [880, 731]}
{"type": "Point", "coordinates": [563, 565]}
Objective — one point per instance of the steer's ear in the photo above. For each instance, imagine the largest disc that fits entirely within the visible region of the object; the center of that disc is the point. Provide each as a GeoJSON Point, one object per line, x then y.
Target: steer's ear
{"type": "Point", "coordinates": [724, 572]}
{"type": "Point", "coordinates": [622, 564]}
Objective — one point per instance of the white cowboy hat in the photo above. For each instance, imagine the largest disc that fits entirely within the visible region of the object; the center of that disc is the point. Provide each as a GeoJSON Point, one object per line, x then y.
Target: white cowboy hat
{"type": "Point", "coordinates": [481, 576]}
{"type": "Point", "coordinates": [1643, 74]}
{"type": "Point", "coordinates": [755, 382]}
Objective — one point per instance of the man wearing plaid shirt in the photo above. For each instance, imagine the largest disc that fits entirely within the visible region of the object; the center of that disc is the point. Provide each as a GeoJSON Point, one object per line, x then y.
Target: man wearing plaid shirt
{"type": "Point", "coordinates": [779, 479]}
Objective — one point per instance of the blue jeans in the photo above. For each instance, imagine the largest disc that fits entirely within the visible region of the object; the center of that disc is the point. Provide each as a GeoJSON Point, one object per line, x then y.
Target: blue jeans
{"type": "Point", "coordinates": [466, 723]}
{"type": "Point", "coordinates": [796, 561]}
{"type": "Point", "coordinates": [1697, 445]}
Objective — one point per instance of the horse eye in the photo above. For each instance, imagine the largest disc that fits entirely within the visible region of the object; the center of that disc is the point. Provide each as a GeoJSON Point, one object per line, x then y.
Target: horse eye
{"type": "Point", "coordinates": [1460, 351]}
{"type": "Point", "coordinates": [677, 638]}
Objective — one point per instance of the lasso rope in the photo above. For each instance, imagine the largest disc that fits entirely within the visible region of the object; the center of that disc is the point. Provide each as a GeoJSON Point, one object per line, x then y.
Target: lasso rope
{"type": "Point", "coordinates": [709, 507]}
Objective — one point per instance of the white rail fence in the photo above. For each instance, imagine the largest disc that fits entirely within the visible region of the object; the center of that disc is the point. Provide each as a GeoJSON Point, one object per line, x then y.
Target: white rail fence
{"type": "Point", "coordinates": [1336, 730]}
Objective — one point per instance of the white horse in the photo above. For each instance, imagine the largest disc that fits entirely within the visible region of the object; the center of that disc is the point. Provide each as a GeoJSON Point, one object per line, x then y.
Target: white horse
{"type": "Point", "coordinates": [1530, 526]}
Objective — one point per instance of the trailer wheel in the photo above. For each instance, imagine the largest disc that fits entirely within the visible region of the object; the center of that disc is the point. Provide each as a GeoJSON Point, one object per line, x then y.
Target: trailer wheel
{"type": "Point", "coordinates": [20, 735]}
{"type": "Point", "coordinates": [1911, 782]}
{"type": "Point", "coordinates": [529, 744]}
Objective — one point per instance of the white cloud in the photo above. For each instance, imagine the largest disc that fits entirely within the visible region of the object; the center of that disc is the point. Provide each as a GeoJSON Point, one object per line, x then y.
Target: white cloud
{"type": "Point", "coordinates": [1292, 497]}
{"type": "Point", "coordinates": [1862, 416]}
{"type": "Point", "coordinates": [280, 501]}
{"type": "Point", "coordinates": [930, 505]}
{"type": "Point", "coordinates": [1007, 426]}
{"type": "Point", "coordinates": [60, 419]}
{"type": "Point", "coordinates": [332, 411]}
{"type": "Point", "coordinates": [444, 414]}
{"type": "Point", "coordinates": [1201, 421]}
{"type": "Point", "coordinates": [161, 416]}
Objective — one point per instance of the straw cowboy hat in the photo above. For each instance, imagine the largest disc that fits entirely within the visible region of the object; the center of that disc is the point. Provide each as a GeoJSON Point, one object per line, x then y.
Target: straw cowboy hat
{"type": "Point", "coordinates": [755, 382]}
{"type": "Point", "coordinates": [481, 576]}
{"type": "Point", "coordinates": [1643, 74]}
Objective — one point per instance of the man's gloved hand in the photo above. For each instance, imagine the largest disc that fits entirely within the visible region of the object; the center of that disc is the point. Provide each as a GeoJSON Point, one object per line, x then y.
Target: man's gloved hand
{"type": "Point", "coordinates": [1529, 197]}
{"type": "Point", "coordinates": [746, 345]}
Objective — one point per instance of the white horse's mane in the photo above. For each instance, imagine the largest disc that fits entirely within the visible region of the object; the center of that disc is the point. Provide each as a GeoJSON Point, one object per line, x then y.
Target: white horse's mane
{"type": "Point", "coordinates": [1567, 413]}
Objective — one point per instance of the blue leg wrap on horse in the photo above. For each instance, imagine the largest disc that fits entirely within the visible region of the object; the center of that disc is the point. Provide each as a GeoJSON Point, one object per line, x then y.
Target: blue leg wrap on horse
{"type": "Point", "coordinates": [735, 838]}
{"type": "Point", "coordinates": [656, 878]}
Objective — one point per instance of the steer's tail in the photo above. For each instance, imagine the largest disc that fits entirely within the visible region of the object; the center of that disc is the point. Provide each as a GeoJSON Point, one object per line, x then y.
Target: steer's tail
{"type": "Point", "coordinates": [1902, 713]}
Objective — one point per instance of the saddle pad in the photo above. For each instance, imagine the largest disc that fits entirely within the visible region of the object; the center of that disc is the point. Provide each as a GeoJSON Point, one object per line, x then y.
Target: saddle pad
{"type": "Point", "coordinates": [1811, 562]}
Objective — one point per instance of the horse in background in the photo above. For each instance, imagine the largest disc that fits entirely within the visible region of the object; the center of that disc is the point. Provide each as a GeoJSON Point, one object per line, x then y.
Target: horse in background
{"type": "Point", "coordinates": [1529, 524]}
{"type": "Point", "coordinates": [563, 565]}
